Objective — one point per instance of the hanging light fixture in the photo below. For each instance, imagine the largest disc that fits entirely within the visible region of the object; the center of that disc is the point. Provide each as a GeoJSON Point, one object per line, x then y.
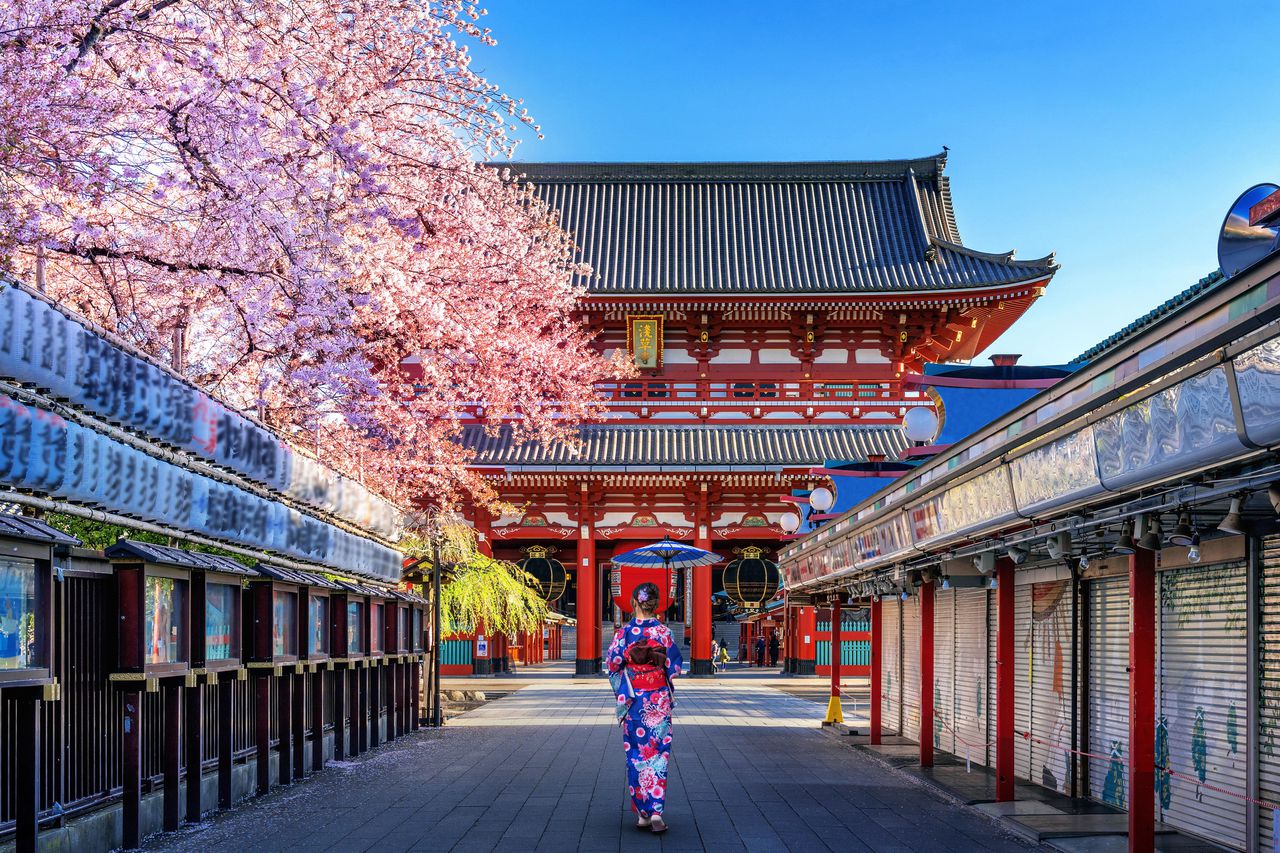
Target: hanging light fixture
{"type": "Point", "coordinates": [946, 582]}
{"type": "Point", "coordinates": [1125, 545]}
{"type": "Point", "coordinates": [1233, 523]}
{"type": "Point", "coordinates": [993, 582]}
{"type": "Point", "coordinates": [1084, 562]}
{"type": "Point", "coordinates": [1193, 552]}
{"type": "Point", "coordinates": [1017, 554]}
{"type": "Point", "coordinates": [1181, 535]}
{"type": "Point", "coordinates": [1150, 540]}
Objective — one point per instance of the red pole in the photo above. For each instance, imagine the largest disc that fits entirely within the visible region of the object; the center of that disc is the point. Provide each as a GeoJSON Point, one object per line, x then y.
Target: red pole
{"type": "Point", "coordinates": [702, 627]}
{"type": "Point", "coordinates": [1142, 713]}
{"type": "Point", "coordinates": [587, 616]}
{"type": "Point", "coordinates": [876, 686]}
{"type": "Point", "coordinates": [1004, 680]}
{"type": "Point", "coordinates": [926, 674]}
{"type": "Point", "coordinates": [835, 714]}
{"type": "Point", "coordinates": [807, 625]}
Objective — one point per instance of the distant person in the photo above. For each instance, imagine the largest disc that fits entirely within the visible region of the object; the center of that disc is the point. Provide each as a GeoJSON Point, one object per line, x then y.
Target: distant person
{"type": "Point", "coordinates": [760, 650]}
{"type": "Point", "coordinates": [722, 660]}
{"type": "Point", "coordinates": [715, 649]}
{"type": "Point", "coordinates": [642, 660]}
{"type": "Point", "coordinates": [774, 646]}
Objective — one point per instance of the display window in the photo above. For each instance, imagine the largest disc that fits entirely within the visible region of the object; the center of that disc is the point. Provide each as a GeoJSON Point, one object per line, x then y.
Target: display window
{"type": "Point", "coordinates": [376, 635]}
{"type": "Point", "coordinates": [318, 625]}
{"type": "Point", "coordinates": [284, 623]}
{"type": "Point", "coordinates": [18, 647]}
{"type": "Point", "coordinates": [355, 627]}
{"type": "Point", "coordinates": [165, 624]}
{"type": "Point", "coordinates": [221, 620]}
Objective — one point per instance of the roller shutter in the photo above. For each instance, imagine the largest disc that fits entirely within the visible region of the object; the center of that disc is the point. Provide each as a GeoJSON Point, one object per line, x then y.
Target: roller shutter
{"type": "Point", "coordinates": [1024, 643]}
{"type": "Point", "coordinates": [1269, 690]}
{"type": "Point", "coordinates": [891, 665]}
{"type": "Point", "coordinates": [1107, 635]}
{"type": "Point", "coordinates": [1202, 701]}
{"type": "Point", "coordinates": [970, 694]}
{"type": "Point", "coordinates": [911, 668]}
{"type": "Point", "coordinates": [944, 647]}
{"type": "Point", "coordinates": [1050, 677]}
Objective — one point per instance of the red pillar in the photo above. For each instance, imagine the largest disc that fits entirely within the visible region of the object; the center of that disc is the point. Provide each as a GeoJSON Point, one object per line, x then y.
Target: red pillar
{"type": "Point", "coordinates": [806, 628]}
{"type": "Point", "coordinates": [702, 627]}
{"type": "Point", "coordinates": [1004, 680]}
{"type": "Point", "coordinates": [876, 687]}
{"type": "Point", "coordinates": [1142, 712]}
{"type": "Point", "coordinates": [588, 594]}
{"type": "Point", "coordinates": [926, 674]}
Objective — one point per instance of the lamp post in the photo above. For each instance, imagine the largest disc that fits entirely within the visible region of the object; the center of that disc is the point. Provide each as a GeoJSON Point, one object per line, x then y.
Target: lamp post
{"type": "Point", "coordinates": [437, 718]}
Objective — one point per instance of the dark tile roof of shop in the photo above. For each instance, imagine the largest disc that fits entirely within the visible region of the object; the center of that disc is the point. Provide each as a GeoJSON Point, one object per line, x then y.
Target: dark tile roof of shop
{"type": "Point", "coordinates": [702, 445]}
{"type": "Point", "coordinates": [166, 556]}
{"type": "Point", "coordinates": [769, 228]}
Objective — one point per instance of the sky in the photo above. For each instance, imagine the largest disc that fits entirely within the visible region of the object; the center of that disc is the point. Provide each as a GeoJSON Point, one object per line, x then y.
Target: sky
{"type": "Point", "coordinates": [1114, 134]}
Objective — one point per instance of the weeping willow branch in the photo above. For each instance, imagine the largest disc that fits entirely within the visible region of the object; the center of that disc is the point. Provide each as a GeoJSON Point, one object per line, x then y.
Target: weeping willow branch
{"type": "Point", "coordinates": [478, 590]}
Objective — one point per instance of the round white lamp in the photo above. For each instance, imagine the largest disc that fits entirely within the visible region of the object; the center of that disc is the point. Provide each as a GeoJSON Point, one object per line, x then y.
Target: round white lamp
{"type": "Point", "coordinates": [821, 499]}
{"type": "Point", "coordinates": [790, 522]}
{"type": "Point", "coordinates": [920, 425]}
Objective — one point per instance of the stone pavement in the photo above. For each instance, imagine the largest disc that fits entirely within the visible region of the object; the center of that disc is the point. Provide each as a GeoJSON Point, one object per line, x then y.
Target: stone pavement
{"type": "Point", "coordinates": [542, 769]}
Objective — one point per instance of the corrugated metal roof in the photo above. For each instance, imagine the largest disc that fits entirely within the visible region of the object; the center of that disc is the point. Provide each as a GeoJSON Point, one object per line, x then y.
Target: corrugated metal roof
{"type": "Point", "coordinates": [1167, 307]}
{"type": "Point", "coordinates": [726, 228]}
{"type": "Point", "coordinates": [166, 556]}
{"type": "Point", "coordinates": [702, 445]}
{"type": "Point", "coordinates": [287, 575]}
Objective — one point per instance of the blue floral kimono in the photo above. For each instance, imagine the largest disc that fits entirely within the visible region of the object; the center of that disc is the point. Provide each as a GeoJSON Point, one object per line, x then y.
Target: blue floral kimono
{"type": "Point", "coordinates": [644, 707]}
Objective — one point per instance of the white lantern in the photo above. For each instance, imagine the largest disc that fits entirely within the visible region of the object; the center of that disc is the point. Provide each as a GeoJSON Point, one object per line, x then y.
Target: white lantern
{"type": "Point", "coordinates": [821, 499]}
{"type": "Point", "coordinates": [920, 425]}
{"type": "Point", "coordinates": [790, 522]}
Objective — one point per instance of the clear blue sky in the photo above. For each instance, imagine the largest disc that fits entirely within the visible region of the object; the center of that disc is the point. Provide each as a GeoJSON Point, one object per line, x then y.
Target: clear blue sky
{"type": "Point", "coordinates": [1115, 134]}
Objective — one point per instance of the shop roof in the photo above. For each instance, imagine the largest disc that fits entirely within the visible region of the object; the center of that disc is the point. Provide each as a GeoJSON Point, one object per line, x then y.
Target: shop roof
{"type": "Point", "coordinates": [166, 556]}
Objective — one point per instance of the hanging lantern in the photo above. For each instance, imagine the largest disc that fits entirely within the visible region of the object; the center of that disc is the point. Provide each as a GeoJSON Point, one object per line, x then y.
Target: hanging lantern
{"type": "Point", "coordinates": [548, 574]}
{"type": "Point", "coordinates": [751, 580]}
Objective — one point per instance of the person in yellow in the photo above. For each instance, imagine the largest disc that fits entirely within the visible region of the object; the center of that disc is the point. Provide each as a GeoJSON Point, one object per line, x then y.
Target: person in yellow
{"type": "Point", "coordinates": [722, 658]}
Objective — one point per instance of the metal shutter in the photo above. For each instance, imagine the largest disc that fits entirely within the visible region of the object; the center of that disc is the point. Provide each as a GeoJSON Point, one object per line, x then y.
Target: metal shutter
{"type": "Point", "coordinates": [1050, 670]}
{"type": "Point", "coordinates": [944, 644]}
{"type": "Point", "coordinates": [993, 673]}
{"type": "Point", "coordinates": [1108, 637]}
{"type": "Point", "coordinates": [890, 669]}
{"type": "Point", "coordinates": [1269, 689]}
{"type": "Point", "coordinates": [911, 668]}
{"type": "Point", "coordinates": [1024, 638]}
{"type": "Point", "coordinates": [970, 693]}
{"type": "Point", "coordinates": [1202, 701]}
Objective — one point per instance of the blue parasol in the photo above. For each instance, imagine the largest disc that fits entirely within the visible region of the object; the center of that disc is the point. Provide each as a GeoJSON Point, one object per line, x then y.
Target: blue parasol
{"type": "Point", "coordinates": [668, 554]}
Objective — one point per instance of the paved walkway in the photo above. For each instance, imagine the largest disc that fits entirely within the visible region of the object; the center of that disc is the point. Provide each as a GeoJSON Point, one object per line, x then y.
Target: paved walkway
{"type": "Point", "coordinates": [542, 769]}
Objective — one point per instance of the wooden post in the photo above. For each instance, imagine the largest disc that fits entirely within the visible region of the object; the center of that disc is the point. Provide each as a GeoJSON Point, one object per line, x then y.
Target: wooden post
{"type": "Point", "coordinates": [284, 716]}
{"type": "Point", "coordinates": [339, 713]}
{"type": "Point", "coordinates": [226, 692]}
{"type": "Point", "coordinates": [1142, 713]}
{"type": "Point", "coordinates": [1004, 680]}
{"type": "Point", "coordinates": [353, 712]}
{"type": "Point", "coordinates": [131, 796]}
{"type": "Point", "coordinates": [877, 687]}
{"type": "Point", "coordinates": [172, 753]}
{"type": "Point", "coordinates": [362, 708]}
{"type": "Point", "coordinates": [299, 741]}
{"type": "Point", "coordinates": [415, 693]}
{"type": "Point", "coordinates": [27, 775]}
{"type": "Point", "coordinates": [926, 674]}
{"type": "Point", "coordinates": [317, 720]}
{"type": "Point", "coordinates": [375, 705]}
{"type": "Point", "coordinates": [262, 690]}
{"type": "Point", "coordinates": [193, 741]}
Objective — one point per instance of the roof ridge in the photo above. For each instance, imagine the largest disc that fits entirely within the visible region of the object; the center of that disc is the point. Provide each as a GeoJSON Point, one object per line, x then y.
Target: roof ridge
{"type": "Point", "coordinates": [739, 170]}
{"type": "Point", "coordinates": [1006, 258]}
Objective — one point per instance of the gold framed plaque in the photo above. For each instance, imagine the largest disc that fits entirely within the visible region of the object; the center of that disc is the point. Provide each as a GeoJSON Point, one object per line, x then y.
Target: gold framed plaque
{"type": "Point", "coordinates": [644, 340]}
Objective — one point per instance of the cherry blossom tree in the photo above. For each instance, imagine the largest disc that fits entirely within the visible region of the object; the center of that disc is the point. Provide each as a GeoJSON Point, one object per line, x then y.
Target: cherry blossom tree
{"type": "Point", "coordinates": [283, 198]}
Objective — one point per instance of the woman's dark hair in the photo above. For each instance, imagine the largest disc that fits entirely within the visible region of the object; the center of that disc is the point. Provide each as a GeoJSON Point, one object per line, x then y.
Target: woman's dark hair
{"type": "Point", "coordinates": [646, 597]}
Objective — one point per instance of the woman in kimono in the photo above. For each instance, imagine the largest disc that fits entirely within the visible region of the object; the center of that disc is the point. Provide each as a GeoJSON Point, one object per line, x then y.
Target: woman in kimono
{"type": "Point", "coordinates": [642, 660]}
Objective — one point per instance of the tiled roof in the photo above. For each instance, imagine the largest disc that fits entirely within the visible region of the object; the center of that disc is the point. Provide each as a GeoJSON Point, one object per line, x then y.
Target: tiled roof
{"type": "Point", "coordinates": [730, 228]}
{"type": "Point", "coordinates": [682, 446]}
{"type": "Point", "coordinates": [164, 555]}
{"type": "Point", "coordinates": [1168, 307]}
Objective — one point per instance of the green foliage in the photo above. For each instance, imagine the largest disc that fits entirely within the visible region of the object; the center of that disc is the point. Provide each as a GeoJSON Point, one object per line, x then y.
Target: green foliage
{"type": "Point", "coordinates": [98, 535]}
{"type": "Point", "coordinates": [477, 589]}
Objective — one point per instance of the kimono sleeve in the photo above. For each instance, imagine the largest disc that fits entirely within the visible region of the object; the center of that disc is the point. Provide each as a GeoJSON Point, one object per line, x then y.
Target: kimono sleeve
{"type": "Point", "coordinates": [615, 658]}
{"type": "Point", "coordinates": [675, 660]}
